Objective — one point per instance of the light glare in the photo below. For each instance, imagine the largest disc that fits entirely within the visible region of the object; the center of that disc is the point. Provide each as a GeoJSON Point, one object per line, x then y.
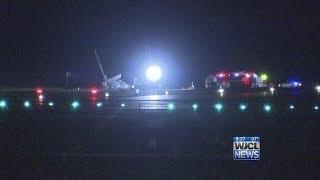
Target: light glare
{"type": "Point", "coordinates": [154, 73]}
{"type": "Point", "coordinates": [170, 106]}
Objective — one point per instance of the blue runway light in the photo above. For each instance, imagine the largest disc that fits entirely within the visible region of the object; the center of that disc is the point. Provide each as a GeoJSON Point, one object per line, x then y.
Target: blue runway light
{"type": "Point", "coordinates": [242, 107]}
{"type": "Point", "coordinates": [99, 104]}
{"type": "Point", "coordinates": [3, 104]}
{"type": "Point", "coordinates": [218, 107]}
{"type": "Point", "coordinates": [75, 104]}
{"type": "Point", "coordinates": [267, 108]}
{"type": "Point", "coordinates": [50, 104]}
{"type": "Point", "coordinates": [170, 106]}
{"type": "Point", "coordinates": [291, 107]}
{"type": "Point", "coordinates": [27, 104]}
{"type": "Point", "coordinates": [194, 107]}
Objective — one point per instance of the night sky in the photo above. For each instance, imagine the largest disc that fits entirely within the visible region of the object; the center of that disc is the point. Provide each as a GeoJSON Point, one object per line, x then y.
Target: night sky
{"type": "Point", "coordinates": [40, 41]}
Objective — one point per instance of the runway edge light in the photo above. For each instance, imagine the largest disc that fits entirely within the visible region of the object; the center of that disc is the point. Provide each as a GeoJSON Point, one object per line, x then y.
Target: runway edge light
{"type": "Point", "coordinates": [242, 107]}
{"type": "Point", "coordinates": [218, 107]}
{"type": "Point", "coordinates": [3, 104]}
{"type": "Point", "coordinates": [195, 106]}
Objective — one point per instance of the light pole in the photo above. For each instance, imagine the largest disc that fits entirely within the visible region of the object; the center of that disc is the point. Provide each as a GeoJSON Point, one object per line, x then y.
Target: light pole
{"type": "Point", "coordinates": [68, 74]}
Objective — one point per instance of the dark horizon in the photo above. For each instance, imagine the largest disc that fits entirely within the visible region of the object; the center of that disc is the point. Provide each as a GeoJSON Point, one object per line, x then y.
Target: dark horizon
{"type": "Point", "coordinates": [42, 40]}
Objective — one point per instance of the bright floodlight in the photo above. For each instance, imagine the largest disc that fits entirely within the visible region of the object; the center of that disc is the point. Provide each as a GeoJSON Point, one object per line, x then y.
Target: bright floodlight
{"type": "Point", "coordinates": [123, 105]}
{"type": "Point", "coordinates": [316, 107]}
{"type": "Point", "coordinates": [154, 73]}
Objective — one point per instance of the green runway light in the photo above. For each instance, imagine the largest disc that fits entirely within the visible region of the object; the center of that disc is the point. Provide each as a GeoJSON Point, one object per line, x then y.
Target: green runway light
{"type": "Point", "coordinates": [75, 104]}
{"type": "Point", "coordinates": [218, 107]}
{"type": "Point", "coordinates": [3, 104]}
{"type": "Point", "coordinates": [50, 104]}
{"type": "Point", "coordinates": [99, 104]}
{"type": "Point", "coordinates": [27, 104]}
{"type": "Point", "coordinates": [170, 106]}
{"type": "Point", "coordinates": [267, 108]}
{"type": "Point", "coordinates": [194, 107]}
{"type": "Point", "coordinates": [291, 107]}
{"type": "Point", "coordinates": [242, 107]}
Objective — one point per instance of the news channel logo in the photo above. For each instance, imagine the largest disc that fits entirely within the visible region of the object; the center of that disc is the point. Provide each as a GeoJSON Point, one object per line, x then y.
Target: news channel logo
{"type": "Point", "coordinates": [246, 148]}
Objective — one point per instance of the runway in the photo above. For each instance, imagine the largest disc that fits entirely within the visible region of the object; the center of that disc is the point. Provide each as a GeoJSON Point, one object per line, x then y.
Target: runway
{"type": "Point", "coordinates": [150, 133]}
{"type": "Point", "coordinates": [169, 99]}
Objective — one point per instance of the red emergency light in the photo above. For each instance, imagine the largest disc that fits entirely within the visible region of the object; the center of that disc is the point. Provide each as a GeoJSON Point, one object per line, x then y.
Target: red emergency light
{"type": "Point", "coordinates": [221, 75]}
{"type": "Point", "coordinates": [94, 91]}
{"type": "Point", "coordinates": [39, 90]}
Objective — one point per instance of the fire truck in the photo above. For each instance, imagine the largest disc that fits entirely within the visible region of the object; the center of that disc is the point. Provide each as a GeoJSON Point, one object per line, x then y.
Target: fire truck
{"type": "Point", "coordinates": [241, 79]}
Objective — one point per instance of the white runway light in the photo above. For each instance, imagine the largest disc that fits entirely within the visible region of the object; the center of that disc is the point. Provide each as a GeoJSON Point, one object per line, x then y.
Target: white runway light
{"type": "Point", "coordinates": [272, 89]}
{"type": "Point", "coordinates": [154, 73]}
